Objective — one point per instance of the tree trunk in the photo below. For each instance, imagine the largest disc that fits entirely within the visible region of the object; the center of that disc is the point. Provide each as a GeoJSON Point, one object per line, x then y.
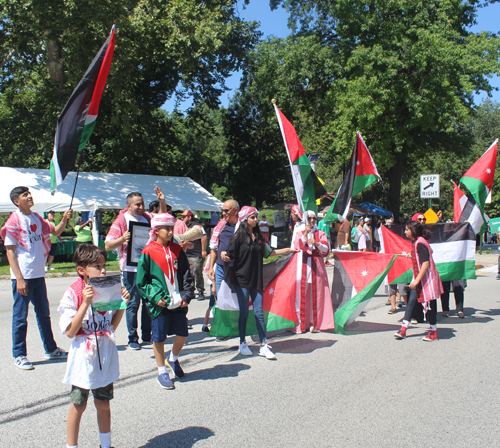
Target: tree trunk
{"type": "Point", "coordinates": [395, 176]}
{"type": "Point", "coordinates": [54, 62]}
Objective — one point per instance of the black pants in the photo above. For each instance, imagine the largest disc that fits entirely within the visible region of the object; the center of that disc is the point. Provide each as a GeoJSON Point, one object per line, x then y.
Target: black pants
{"type": "Point", "coordinates": [412, 301]}
{"type": "Point", "coordinates": [458, 291]}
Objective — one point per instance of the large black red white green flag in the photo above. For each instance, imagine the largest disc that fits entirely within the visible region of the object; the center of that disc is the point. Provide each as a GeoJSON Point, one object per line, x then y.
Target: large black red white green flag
{"type": "Point", "coordinates": [280, 287]}
{"type": "Point", "coordinates": [356, 278]}
{"type": "Point", "coordinates": [78, 118]}
{"type": "Point", "coordinates": [361, 173]}
{"type": "Point", "coordinates": [453, 250]}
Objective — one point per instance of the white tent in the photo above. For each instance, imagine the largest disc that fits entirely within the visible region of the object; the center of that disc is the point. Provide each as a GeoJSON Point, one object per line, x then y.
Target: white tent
{"type": "Point", "coordinates": [105, 191]}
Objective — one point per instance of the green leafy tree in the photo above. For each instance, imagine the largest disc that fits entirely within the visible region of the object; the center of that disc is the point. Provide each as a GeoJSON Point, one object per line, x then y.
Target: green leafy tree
{"type": "Point", "coordinates": [409, 70]}
{"type": "Point", "coordinates": [182, 46]}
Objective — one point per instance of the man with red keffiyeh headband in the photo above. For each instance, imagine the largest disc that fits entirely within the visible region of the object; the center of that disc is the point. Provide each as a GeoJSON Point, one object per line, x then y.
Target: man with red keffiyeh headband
{"type": "Point", "coordinates": [27, 239]}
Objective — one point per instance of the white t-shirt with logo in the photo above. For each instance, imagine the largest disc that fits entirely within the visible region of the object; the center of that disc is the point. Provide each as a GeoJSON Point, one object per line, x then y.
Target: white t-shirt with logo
{"type": "Point", "coordinates": [31, 258]}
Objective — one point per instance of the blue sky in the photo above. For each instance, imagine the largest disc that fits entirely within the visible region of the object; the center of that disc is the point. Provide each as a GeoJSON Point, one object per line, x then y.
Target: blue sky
{"type": "Point", "coordinates": [274, 23]}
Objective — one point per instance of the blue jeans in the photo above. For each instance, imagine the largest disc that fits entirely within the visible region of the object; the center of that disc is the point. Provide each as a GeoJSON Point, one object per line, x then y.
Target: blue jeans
{"type": "Point", "coordinates": [243, 302]}
{"type": "Point", "coordinates": [219, 276]}
{"type": "Point", "coordinates": [37, 295]}
{"type": "Point", "coordinates": [128, 279]}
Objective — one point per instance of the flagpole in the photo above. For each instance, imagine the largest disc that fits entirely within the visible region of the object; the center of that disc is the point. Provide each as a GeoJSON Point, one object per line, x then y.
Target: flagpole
{"type": "Point", "coordinates": [76, 180]}
{"type": "Point", "coordinates": [299, 198]}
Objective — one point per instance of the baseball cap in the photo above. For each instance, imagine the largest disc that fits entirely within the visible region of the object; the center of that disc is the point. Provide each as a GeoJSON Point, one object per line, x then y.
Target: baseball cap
{"type": "Point", "coordinates": [186, 213]}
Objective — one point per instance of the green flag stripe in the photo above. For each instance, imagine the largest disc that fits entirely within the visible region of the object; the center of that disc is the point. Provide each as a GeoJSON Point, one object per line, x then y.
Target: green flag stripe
{"type": "Point", "coordinates": [361, 182]}
{"type": "Point", "coordinates": [477, 188]}
{"type": "Point", "coordinates": [110, 306]}
{"type": "Point", "coordinates": [342, 314]}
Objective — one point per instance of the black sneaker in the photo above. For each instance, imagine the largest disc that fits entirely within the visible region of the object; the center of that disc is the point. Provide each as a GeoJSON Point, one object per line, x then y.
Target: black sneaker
{"type": "Point", "coordinates": [205, 328]}
{"type": "Point", "coordinates": [176, 368]}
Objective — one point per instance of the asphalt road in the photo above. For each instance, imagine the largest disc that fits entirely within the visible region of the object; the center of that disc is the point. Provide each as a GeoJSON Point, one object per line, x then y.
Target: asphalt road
{"type": "Point", "coordinates": [364, 389]}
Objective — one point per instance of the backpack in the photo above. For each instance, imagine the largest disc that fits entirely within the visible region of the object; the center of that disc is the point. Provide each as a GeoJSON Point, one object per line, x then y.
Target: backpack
{"type": "Point", "coordinates": [354, 235]}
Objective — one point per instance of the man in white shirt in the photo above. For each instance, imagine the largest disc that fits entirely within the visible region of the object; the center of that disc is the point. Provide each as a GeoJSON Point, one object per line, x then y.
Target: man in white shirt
{"type": "Point", "coordinates": [27, 240]}
{"type": "Point", "coordinates": [117, 239]}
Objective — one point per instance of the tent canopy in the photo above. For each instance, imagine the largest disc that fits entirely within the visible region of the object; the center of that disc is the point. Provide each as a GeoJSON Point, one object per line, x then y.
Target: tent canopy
{"type": "Point", "coordinates": [375, 209]}
{"type": "Point", "coordinates": [105, 191]}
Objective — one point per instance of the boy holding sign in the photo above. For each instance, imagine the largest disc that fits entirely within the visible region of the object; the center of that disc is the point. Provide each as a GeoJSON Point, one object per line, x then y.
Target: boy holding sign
{"type": "Point", "coordinates": [93, 356]}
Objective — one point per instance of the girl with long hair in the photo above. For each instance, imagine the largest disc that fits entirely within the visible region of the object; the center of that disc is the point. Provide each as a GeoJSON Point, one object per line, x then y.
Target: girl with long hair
{"type": "Point", "coordinates": [426, 286]}
{"type": "Point", "coordinates": [247, 251]}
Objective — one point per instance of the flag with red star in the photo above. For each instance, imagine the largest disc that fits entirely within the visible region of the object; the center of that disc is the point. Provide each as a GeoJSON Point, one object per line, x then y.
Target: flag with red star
{"type": "Point", "coordinates": [356, 278]}
{"type": "Point", "coordinates": [279, 278]}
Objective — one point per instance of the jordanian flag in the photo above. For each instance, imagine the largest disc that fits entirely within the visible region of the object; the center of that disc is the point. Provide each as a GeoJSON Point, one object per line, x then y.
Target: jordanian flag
{"type": "Point", "coordinates": [77, 120]}
{"type": "Point", "coordinates": [356, 278]}
{"type": "Point", "coordinates": [279, 301]}
{"type": "Point", "coordinates": [479, 178]}
{"type": "Point", "coordinates": [453, 248]}
{"type": "Point", "coordinates": [308, 187]}
{"type": "Point", "coordinates": [401, 271]}
{"type": "Point", "coordinates": [361, 173]}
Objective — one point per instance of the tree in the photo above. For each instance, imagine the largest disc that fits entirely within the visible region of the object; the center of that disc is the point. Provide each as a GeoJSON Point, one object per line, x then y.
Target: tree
{"type": "Point", "coordinates": [161, 47]}
{"type": "Point", "coordinates": [409, 71]}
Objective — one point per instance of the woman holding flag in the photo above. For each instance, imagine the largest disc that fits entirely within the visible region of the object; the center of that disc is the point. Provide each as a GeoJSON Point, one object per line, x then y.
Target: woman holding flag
{"type": "Point", "coordinates": [426, 286]}
{"type": "Point", "coordinates": [247, 250]}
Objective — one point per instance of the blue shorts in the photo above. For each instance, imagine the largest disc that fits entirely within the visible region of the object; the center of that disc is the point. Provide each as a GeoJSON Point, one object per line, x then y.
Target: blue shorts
{"type": "Point", "coordinates": [169, 324]}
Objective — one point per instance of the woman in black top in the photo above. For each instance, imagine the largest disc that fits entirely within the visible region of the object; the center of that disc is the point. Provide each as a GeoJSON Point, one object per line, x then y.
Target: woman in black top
{"type": "Point", "coordinates": [247, 251]}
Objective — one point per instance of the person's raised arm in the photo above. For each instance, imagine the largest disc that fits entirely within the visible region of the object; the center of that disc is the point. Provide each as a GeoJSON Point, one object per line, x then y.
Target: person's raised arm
{"type": "Point", "coordinates": [57, 230]}
{"type": "Point", "coordinates": [161, 200]}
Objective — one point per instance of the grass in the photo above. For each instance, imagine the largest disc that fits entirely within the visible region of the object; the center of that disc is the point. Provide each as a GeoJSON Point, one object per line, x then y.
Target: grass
{"type": "Point", "coordinates": [59, 268]}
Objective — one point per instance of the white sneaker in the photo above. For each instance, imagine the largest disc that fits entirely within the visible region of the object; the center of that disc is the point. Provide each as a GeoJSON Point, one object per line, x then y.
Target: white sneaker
{"type": "Point", "coordinates": [265, 350]}
{"type": "Point", "coordinates": [23, 363]}
{"type": "Point", "coordinates": [58, 353]}
{"type": "Point", "coordinates": [244, 350]}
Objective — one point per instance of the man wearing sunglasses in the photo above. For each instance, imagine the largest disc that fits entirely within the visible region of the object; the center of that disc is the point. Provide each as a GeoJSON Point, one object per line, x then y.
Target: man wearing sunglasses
{"type": "Point", "coordinates": [220, 239]}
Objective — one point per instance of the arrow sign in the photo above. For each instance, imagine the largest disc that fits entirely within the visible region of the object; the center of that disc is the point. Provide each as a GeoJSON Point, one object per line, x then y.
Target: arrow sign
{"type": "Point", "coordinates": [429, 186]}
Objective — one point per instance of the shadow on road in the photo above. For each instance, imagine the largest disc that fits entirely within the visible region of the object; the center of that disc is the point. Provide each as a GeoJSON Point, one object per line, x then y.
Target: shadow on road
{"type": "Point", "coordinates": [369, 327]}
{"type": "Point", "coordinates": [216, 372]}
{"type": "Point", "coordinates": [299, 345]}
{"type": "Point", "coordinates": [183, 438]}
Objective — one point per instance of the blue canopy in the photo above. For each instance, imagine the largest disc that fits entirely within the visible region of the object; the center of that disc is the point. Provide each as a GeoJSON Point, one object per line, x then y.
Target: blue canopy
{"type": "Point", "coordinates": [375, 209]}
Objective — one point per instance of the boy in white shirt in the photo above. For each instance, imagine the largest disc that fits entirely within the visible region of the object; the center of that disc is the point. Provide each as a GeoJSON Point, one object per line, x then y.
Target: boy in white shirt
{"type": "Point", "coordinates": [84, 370]}
{"type": "Point", "coordinates": [27, 240]}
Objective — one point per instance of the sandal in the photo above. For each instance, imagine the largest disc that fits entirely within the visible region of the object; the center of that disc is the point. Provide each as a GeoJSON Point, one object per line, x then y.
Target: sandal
{"type": "Point", "coordinates": [461, 314]}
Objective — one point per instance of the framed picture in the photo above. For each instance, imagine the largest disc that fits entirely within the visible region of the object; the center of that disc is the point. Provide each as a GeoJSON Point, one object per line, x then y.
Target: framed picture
{"type": "Point", "coordinates": [139, 236]}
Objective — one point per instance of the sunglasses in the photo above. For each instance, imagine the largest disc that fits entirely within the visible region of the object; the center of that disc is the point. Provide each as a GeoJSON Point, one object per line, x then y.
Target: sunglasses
{"type": "Point", "coordinates": [311, 218]}
{"type": "Point", "coordinates": [422, 220]}
{"type": "Point", "coordinates": [227, 210]}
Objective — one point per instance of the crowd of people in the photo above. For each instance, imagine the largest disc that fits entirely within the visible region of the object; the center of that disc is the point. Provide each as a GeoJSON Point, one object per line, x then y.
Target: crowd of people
{"type": "Point", "coordinates": [169, 275]}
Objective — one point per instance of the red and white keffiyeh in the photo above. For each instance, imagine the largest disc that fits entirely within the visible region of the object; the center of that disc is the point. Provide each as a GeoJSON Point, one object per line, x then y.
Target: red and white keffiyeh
{"type": "Point", "coordinates": [159, 221]}
{"type": "Point", "coordinates": [245, 212]}
{"type": "Point", "coordinates": [296, 211]}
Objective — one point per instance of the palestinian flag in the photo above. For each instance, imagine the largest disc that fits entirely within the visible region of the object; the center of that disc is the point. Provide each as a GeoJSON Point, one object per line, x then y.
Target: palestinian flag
{"type": "Point", "coordinates": [356, 278]}
{"type": "Point", "coordinates": [279, 301]}
{"type": "Point", "coordinates": [479, 178]}
{"type": "Point", "coordinates": [401, 271]}
{"type": "Point", "coordinates": [308, 187]}
{"type": "Point", "coordinates": [453, 248]}
{"type": "Point", "coordinates": [77, 120]}
{"type": "Point", "coordinates": [472, 214]}
{"type": "Point", "coordinates": [459, 200]}
{"type": "Point", "coordinates": [361, 173]}
{"type": "Point", "coordinates": [107, 293]}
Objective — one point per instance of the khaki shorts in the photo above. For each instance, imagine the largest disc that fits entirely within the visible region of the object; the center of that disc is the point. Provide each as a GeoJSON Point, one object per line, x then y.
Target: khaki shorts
{"type": "Point", "coordinates": [80, 396]}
